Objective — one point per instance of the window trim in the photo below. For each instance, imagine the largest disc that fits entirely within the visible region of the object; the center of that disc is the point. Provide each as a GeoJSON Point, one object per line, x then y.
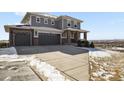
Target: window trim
{"type": "Point", "coordinates": [52, 20]}
{"type": "Point", "coordinates": [68, 20]}
{"type": "Point", "coordinates": [45, 20]}
{"type": "Point", "coordinates": [39, 19]}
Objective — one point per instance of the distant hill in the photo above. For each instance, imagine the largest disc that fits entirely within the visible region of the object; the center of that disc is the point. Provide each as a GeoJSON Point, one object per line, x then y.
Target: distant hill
{"type": "Point", "coordinates": [4, 41]}
{"type": "Point", "coordinates": [109, 43]}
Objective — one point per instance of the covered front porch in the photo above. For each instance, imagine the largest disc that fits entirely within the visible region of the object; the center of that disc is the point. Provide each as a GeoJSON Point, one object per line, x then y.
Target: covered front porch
{"type": "Point", "coordinates": [71, 35]}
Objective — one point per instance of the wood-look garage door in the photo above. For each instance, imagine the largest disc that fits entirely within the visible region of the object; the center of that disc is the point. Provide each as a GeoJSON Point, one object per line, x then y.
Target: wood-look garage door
{"type": "Point", "coordinates": [49, 39]}
{"type": "Point", "coordinates": [22, 39]}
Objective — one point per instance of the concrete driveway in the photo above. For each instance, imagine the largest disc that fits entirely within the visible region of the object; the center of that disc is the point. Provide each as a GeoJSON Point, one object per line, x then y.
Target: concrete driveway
{"type": "Point", "coordinates": [71, 61]}
{"type": "Point", "coordinates": [16, 71]}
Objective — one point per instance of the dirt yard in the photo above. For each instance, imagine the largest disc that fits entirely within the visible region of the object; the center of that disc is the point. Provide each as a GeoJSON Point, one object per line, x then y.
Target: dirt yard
{"type": "Point", "coordinates": [107, 68]}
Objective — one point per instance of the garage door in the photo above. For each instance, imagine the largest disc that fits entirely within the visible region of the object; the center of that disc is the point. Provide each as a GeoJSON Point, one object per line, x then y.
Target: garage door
{"type": "Point", "coordinates": [48, 39]}
{"type": "Point", "coordinates": [22, 39]}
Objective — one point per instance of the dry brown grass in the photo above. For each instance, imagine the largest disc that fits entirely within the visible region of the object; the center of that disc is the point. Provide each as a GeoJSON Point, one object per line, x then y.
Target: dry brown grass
{"type": "Point", "coordinates": [111, 68]}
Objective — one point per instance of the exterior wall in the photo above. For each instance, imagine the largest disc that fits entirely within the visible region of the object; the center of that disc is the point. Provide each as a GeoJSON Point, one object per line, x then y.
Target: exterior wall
{"type": "Point", "coordinates": [72, 24]}
{"type": "Point", "coordinates": [58, 23]}
{"type": "Point", "coordinates": [41, 24]}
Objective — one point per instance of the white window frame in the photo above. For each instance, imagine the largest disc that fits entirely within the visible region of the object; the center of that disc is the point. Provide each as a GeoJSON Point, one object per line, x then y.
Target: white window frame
{"type": "Point", "coordinates": [35, 35]}
{"type": "Point", "coordinates": [52, 21]}
{"type": "Point", "coordinates": [37, 20]}
{"type": "Point", "coordinates": [68, 22]}
{"type": "Point", "coordinates": [45, 19]}
{"type": "Point", "coordinates": [75, 23]}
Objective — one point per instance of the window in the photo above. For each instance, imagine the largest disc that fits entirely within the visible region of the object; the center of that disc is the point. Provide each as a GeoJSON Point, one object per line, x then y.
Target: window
{"type": "Point", "coordinates": [35, 34]}
{"type": "Point", "coordinates": [38, 19]}
{"type": "Point", "coordinates": [52, 22]}
{"type": "Point", "coordinates": [68, 23]}
{"type": "Point", "coordinates": [45, 20]}
{"type": "Point", "coordinates": [75, 24]}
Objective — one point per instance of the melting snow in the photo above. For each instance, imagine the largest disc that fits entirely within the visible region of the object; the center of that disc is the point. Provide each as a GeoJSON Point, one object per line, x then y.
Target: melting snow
{"type": "Point", "coordinates": [47, 70]}
{"type": "Point", "coordinates": [10, 55]}
{"type": "Point", "coordinates": [8, 51]}
{"type": "Point", "coordinates": [117, 48]}
{"type": "Point", "coordinates": [7, 54]}
{"type": "Point", "coordinates": [93, 52]}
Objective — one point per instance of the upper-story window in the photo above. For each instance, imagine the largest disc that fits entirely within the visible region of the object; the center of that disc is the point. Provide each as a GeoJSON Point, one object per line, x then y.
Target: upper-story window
{"type": "Point", "coordinates": [52, 22]}
{"type": "Point", "coordinates": [38, 19]}
{"type": "Point", "coordinates": [75, 24]}
{"type": "Point", "coordinates": [45, 20]}
{"type": "Point", "coordinates": [68, 23]}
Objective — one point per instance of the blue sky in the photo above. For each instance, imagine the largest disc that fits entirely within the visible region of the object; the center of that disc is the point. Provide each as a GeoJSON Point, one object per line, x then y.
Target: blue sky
{"type": "Point", "coordinates": [101, 25]}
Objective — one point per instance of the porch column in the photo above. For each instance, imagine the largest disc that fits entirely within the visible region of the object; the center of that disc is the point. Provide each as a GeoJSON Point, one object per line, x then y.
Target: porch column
{"type": "Point", "coordinates": [13, 39]}
{"type": "Point", "coordinates": [78, 36]}
{"type": "Point", "coordinates": [85, 35]}
{"type": "Point", "coordinates": [68, 36]}
{"type": "Point", "coordinates": [31, 38]}
{"type": "Point", "coordinates": [60, 39]}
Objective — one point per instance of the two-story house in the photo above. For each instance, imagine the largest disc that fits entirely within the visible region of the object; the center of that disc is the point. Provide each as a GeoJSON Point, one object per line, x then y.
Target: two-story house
{"type": "Point", "coordinates": [45, 29]}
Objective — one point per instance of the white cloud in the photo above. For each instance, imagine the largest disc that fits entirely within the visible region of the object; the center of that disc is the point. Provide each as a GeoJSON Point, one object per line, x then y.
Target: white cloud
{"type": "Point", "coordinates": [20, 13]}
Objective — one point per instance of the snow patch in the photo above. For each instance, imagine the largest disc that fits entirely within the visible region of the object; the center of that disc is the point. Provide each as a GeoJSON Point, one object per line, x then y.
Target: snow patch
{"type": "Point", "coordinates": [47, 70]}
{"type": "Point", "coordinates": [93, 52]}
{"type": "Point", "coordinates": [8, 51]}
{"type": "Point", "coordinates": [117, 48]}
{"type": "Point", "coordinates": [10, 55]}
{"type": "Point", "coordinates": [99, 54]}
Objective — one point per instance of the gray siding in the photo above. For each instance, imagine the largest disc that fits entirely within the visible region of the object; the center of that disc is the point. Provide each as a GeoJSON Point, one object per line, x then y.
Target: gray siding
{"type": "Point", "coordinates": [41, 24]}
{"type": "Point", "coordinates": [72, 24]}
{"type": "Point", "coordinates": [58, 23]}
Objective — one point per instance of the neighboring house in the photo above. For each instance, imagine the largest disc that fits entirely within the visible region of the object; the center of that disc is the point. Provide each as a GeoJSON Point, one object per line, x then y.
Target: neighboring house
{"type": "Point", "coordinates": [45, 29]}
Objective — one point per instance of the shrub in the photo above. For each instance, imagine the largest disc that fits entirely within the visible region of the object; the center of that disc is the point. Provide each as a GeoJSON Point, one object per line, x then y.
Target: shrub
{"type": "Point", "coordinates": [3, 45]}
{"type": "Point", "coordinates": [92, 45]}
{"type": "Point", "coordinates": [79, 43]}
{"type": "Point", "coordinates": [83, 43]}
{"type": "Point", "coordinates": [86, 43]}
